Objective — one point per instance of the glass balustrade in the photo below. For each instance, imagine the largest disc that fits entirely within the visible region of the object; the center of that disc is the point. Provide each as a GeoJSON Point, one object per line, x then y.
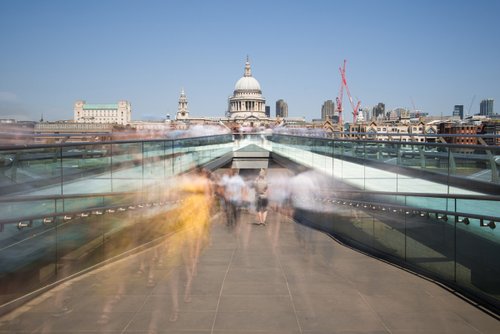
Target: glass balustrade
{"type": "Point", "coordinates": [430, 206]}
{"type": "Point", "coordinates": [68, 207]}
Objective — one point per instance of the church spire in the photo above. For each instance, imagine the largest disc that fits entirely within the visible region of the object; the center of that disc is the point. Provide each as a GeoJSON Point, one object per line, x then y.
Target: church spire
{"type": "Point", "coordinates": [248, 70]}
{"type": "Point", "coordinates": [182, 108]}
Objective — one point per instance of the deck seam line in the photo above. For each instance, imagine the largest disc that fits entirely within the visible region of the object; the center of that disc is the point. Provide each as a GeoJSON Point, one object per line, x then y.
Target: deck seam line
{"type": "Point", "coordinates": [289, 292]}
{"type": "Point", "coordinates": [221, 289]}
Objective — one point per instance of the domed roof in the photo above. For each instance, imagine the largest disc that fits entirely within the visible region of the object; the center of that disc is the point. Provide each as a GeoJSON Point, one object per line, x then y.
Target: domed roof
{"type": "Point", "coordinates": [247, 82]}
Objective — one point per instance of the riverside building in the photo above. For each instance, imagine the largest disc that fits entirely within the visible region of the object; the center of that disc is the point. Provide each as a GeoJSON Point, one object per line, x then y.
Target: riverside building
{"type": "Point", "coordinates": [114, 113]}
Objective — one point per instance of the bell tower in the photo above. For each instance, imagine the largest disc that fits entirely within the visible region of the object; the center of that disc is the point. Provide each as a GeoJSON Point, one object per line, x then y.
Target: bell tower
{"type": "Point", "coordinates": [182, 108]}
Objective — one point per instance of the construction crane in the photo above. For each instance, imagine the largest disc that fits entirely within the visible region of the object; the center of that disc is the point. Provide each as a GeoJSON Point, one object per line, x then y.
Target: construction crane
{"type": "Point", "coordinates": [355, 108]}
{"type": "Point", "coordinates": [340, 107]}
{"type": "Point", "coordinates": [470, 106]}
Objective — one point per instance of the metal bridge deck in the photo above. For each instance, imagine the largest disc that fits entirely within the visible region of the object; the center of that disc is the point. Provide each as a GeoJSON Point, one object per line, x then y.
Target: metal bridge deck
{"type": "Point", "coordinates": [281, 278]}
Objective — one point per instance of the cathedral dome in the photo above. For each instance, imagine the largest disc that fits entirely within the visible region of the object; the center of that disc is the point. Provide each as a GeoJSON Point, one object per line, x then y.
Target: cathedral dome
{"type": "Point", "coordinates": [247, 82]}
{"type": "Point", "coordinates": [247, 103]}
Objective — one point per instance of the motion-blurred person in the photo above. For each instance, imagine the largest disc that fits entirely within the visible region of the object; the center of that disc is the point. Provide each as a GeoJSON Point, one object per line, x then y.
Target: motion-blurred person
{"type": "Point", "coordinates": [303, 190]}
{"type": "Point", "coordinates": [278, 194]}
{"type": "Point", "coordinates": [234, 191]}
{"type": "Point", "coordinates": [260, 185]}
{"type": "Point", "coordinates": [192, 228]}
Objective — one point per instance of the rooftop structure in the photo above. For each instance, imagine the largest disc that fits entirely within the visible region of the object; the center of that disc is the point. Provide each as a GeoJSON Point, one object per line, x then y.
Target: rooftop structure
{"type": "Point", "coordinates": [114, 113]}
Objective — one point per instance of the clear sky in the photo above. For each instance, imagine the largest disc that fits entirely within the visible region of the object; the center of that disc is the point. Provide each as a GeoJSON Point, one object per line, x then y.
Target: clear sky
{"type": "Point", "coordinates": [434, 53]}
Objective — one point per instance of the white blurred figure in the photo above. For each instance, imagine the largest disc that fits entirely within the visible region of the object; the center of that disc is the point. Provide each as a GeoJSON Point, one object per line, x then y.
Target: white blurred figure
{"type": "Point", "coordinates": [234, 192]}
{"type": "Point", "coordinates": [304, 189]}
{"type": "Point", "coordinates": [277, 195]}
{"type": "Point", "coordinates": [279, 192]}
{"type": "Point", "coordinates": [206, 130]}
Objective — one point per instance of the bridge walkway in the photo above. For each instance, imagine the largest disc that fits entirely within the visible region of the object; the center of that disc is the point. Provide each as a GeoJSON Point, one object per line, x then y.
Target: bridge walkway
{"type": "Point", "coordinates": [279, 278]}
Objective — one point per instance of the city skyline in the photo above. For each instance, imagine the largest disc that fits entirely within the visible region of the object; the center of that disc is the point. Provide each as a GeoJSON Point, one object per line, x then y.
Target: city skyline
{"type": "Point", "coordinates": [429, 56]}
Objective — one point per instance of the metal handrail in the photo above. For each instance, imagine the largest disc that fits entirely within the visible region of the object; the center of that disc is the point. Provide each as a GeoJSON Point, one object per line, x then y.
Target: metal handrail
{"type": "Point", "coordinates": [86, 210]}
{"type": "Point", "coordinates": [396, 142]}
{"type": "Point", "coordinates": [28, 198]}
{"type": "Point", "coordinates": [433, 195]}
{"type": "Point", "coordinates": [130, 141]}
{"type": "Point", "coordinates": [406, 208]}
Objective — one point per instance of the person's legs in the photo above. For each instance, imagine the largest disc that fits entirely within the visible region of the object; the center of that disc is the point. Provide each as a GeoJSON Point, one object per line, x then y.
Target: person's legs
{"type": "Point", "coordinates": [264, 216]}
{"type": "Point", "coordinates": [264, 210]}
{"type": "Point", "coordinates": [259, 211]}
{"type": "Point", "coordinates": [236, 212]}
{"type": "Point", "coordinates": [259, 216]}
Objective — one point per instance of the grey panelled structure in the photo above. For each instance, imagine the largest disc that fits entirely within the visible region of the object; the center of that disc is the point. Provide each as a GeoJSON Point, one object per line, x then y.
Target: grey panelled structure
{"type": "Point", "coordinates": [250, 157]}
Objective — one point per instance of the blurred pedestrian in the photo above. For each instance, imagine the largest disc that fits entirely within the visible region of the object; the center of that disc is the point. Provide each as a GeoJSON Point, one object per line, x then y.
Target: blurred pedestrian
{"type": "Point", "coordinates": [261, 191]}
{"type": "Point", "coordinates": [234, 191]}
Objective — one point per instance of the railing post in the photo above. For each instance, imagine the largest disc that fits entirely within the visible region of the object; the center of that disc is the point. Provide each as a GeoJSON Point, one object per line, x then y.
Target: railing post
{"type": "Point", "coordinates": [173, 157]}
{"type": "Point", "coordinates": [56, 260]}
{"type": "Point", "coordinates": [406, 233]}
{"type": "Point", "coordinates": [142, 165]}
{"type": "Point", "coordinates": [111, 166]}
{"type": "Point", "coordinates": [61, 165]}
{"type": "Point", "coordinates": [455, 244]}
{"type": "Point", "coordinates": [421, 151]}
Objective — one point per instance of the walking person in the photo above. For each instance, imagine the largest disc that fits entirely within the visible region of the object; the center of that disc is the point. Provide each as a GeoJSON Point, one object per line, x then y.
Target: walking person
{"type": "Point", "coordinates": [261, 187]}
{"type": "Point", "coordinates": [234, 191]}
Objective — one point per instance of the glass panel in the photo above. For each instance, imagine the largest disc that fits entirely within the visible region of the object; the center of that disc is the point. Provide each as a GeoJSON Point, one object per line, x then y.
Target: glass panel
{"type": "Point", "coordinates": [430, 203]}
{"type": "Point", "coordinates": [84, 233]}
{"type": "Point", "coordinates": [430, 244]}
{"type": "Point", "coordinates": [478, 206]}
{"type": "Point", "coordinates": [127, 167]}
{"type": "Point", "coordinates": [12, 209]}
{"type": "Point", "coordinates": [33, 171]}
{"type": "Point", "coordinates": [86, 169]}
{"type": "Point", "coordinates": [154, 161]}
{"type": "Point", "coordinates": [478, 266]}
{"type": "Point", "coordinates": [27, 255]}
{"type": "Point", "coordinates": [389, 232]}
{"type": "Point", "coordinates": [480, 164]}
{"type": "Point", "coordinates": [79, 243]}
{"type": "Point", "coordinates": [363, 225]}
{"type": "Point", "coordinates": [81, 204]}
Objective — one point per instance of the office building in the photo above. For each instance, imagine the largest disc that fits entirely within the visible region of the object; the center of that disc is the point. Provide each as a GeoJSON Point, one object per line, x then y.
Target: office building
{"type": "Point", "coordinates": [458, 110]}
{"type": "Point", "coordinates": [328, 110]}
{"type": "Point", "coordinates": [268, 111]}
{"type": "Point", "coordinates": [281, 108]}
{"type": "Point", "coordinates": [486, 107]}
{"type": "Point", "coordinates": [378, 111]}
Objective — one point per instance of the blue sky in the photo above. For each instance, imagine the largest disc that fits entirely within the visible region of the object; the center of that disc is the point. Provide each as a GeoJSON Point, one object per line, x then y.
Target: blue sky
{"type": "Point", "coordinates": [436, 53]}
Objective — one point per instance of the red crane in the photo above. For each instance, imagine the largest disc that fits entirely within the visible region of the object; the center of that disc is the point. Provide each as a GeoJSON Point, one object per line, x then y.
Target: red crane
{"type": "Point", "coordinates": [355, 108]}
{"type": "Point", "coordinates": [341, 94]}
